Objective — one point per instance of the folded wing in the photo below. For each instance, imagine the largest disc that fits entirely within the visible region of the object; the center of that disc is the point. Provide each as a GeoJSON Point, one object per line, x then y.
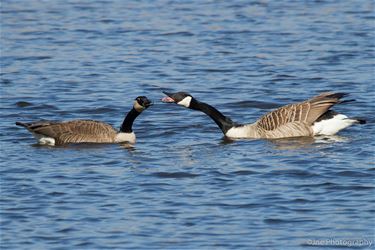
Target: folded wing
{"type": "Point", "coordinates": [306, 112]}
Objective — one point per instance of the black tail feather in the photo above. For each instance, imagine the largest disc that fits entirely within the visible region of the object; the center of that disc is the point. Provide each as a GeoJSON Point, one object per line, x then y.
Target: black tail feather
{"type": "Point", "coordinates": [361, 121]}
{"type": "Point", "coordinates": [358, 120]}
{"type": "Point", "coordinates": [22, 124]}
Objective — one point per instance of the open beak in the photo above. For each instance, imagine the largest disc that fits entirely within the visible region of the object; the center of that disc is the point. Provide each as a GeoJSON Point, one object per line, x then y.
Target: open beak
{"type": "Point", "coordinates": [168, 98]}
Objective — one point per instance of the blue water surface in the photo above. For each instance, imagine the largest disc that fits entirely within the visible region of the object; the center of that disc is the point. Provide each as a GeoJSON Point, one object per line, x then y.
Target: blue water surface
{"type": "Point", "coordinates": [183, 186]}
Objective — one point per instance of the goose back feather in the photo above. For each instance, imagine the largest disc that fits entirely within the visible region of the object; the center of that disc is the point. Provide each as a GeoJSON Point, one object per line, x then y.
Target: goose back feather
{"type": "Point", "coordinates": [76, 131]}
{"type": "Point", "coordinates": [308, 111]}
{"type": "Point", "coordinates": [296, 119]}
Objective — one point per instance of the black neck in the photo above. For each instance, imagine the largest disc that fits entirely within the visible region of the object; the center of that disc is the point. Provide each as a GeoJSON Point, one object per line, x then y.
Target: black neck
{"type": "Point", "coordinates": [127, 124]}
{"type": "Point", "coordinates": [224, 123]}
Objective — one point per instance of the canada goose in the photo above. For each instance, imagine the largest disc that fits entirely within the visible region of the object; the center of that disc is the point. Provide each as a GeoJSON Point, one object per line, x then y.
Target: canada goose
{"type": "Point", "coordinates": [87, 131]}
{"type": "Point", "coordinates": [308, 118]}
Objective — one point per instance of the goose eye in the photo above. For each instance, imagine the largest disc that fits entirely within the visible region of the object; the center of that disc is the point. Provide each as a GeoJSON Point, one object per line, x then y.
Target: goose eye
{"type": "Point", "coordinates": [140, 100]}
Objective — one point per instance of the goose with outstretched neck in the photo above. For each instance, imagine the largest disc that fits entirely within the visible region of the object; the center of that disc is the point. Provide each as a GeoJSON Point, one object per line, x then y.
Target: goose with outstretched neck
{"type": "Point", "coordinates": [87, 131]}
{"type": "Point", "coordinates": [307, 118]}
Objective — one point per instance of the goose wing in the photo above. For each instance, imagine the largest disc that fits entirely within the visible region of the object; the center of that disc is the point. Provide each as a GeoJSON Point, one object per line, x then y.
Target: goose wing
{"type": "Point", "coordinates": [306, 112]}
{"type": "Point", "coordinates": [73, 131]}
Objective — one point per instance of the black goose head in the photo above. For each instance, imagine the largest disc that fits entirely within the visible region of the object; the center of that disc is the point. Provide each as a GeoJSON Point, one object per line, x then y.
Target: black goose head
{"type": "Point", "coordinates": [180, 98]}
{"type": "Point", "coordinates": [141, 103]}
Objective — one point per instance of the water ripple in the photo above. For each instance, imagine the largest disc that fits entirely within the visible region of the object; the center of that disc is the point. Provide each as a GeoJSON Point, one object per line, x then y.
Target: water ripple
{"type": "Point", "coordinates": [175, 175]}
{"type": "Point", "coordinates": [182, 185]}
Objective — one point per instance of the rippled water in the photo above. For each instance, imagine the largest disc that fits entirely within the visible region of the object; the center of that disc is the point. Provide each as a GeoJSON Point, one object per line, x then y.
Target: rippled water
{"type": "Point", "coordinates": [182, 186]}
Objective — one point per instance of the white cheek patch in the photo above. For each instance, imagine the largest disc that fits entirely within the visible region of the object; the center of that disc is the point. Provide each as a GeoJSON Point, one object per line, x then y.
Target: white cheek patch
{"type": "Point", "coordinates": [138, 107]}
{"type": "Point", "coordinates": [185, 102]}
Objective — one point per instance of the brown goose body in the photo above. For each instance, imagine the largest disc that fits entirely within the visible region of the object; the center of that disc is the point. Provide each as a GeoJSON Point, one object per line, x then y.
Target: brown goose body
{"type": "Point", "coordinates": [293, 120]}
{"type": "Point", "coordinates": [76, 131]}
{"type": "Point", "coordinates": [308, 118]}
{"type": "Point", "coordinates": [87, 131]}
